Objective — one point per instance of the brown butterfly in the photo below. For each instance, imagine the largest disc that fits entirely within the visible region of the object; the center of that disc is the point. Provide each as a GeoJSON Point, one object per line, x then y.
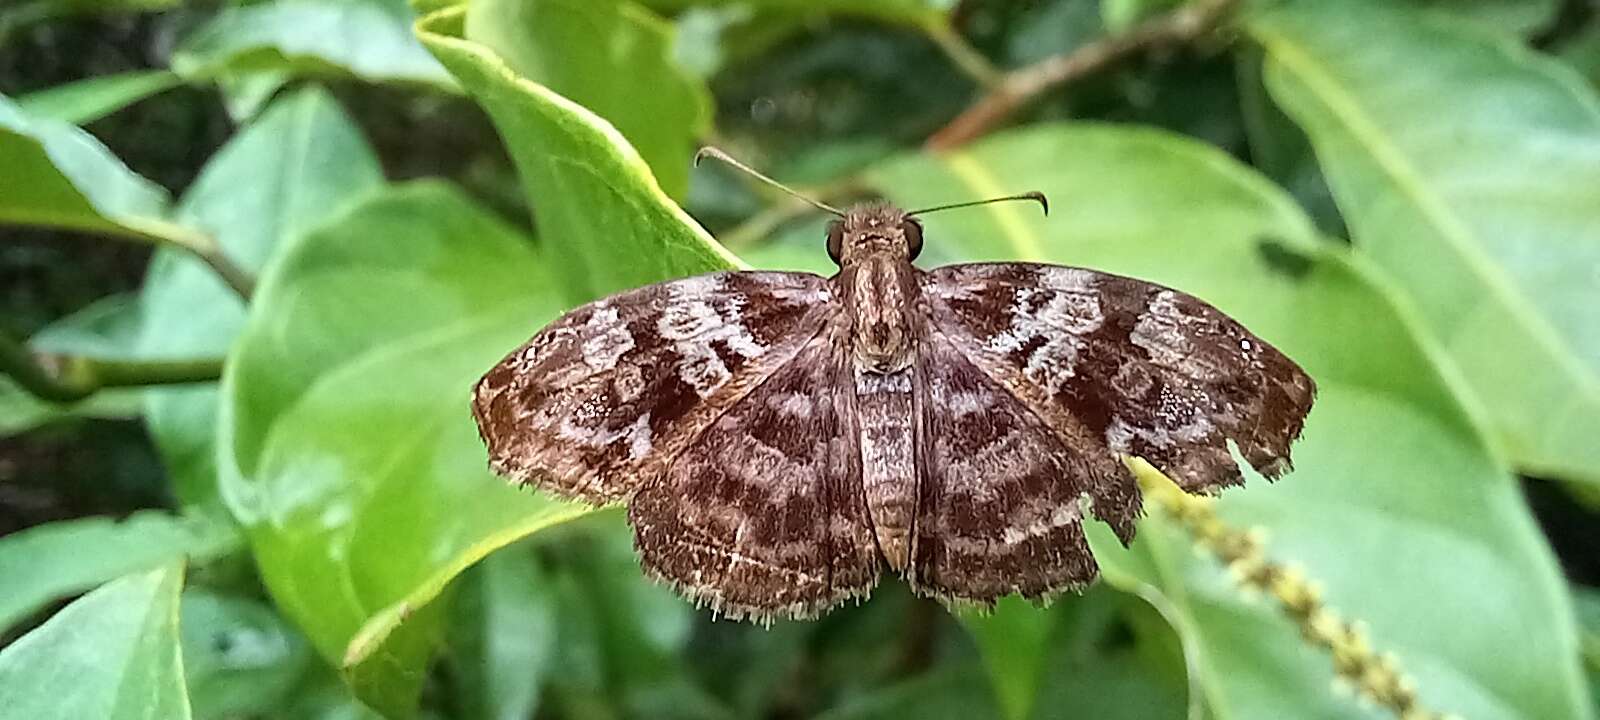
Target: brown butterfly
{"type": "Point", "coordinates": [781, 437]}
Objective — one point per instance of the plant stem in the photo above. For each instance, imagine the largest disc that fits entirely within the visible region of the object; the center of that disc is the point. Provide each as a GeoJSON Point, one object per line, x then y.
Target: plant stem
{"type": "Point", "coordinates": [203, 247]}
{"type": "Point", "coordinates": [1018, 88]}
{"type": "Point", "coordinates": [70, 378]}
{"type": "Point", "coordinates": [963, 54]}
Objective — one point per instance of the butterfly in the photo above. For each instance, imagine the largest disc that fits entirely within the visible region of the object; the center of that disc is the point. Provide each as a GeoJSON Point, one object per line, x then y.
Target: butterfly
{"type": "Point", "coordinates": [781, 439]}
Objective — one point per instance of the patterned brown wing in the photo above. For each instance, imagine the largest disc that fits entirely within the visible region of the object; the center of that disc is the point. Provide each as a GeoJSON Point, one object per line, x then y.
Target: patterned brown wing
{"type": "Point", "coordinates": [763, 515]}
{"type": "Point", "coordinates": [1000, 494]}
{"type": "Point", "coordinates": [603, 398]}
{"type": "Point", "coordinates": [1117, 365]}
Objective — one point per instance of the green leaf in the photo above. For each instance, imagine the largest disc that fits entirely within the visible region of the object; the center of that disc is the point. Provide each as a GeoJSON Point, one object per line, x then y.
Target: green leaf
{"type": "Point", "coordinates": [368, 39]}
{"type": "Point", "coordinates": [90, 99]}
{"type": "Point", "coordinates": [1510, 17]}
{"type": "Point", "coordinates": [610, 225]}
{"type": "Point", "coordinates": [949, 693]}
{"type": "Point", "coordinates": [111, 654]}
{"type": "Point", "coordinates": [1012, 641]}
{"type": "Point", "coordinates": [60, 176]}
{"type": "Point", "coordinates": [906, 12]}
{"type": "Point", "coordinates": [611, 57]}
{"type": "Point", "coordinates": [1397, 505]}
{"type": "Point", "coordinates": [1064, 662]}
{"type": "Point", "coordinates": [350, 452]}
{"type": "Point", "coordinates": [1589, 624]}
{"type": "Point", "coordinates": [1464, 165]}
{"type": "Point", "coordinates": [240, 659]}
{"type": "Point", "coordinates": [1119, 15]}
{"type": "Point", "coordinates": [504, 635]}
{"type": "Point", "coordinates": [54, 560]}
{"type": "Point", "coordinates": [20, 14]}
{"type": "Point", "coordinates": [107, 328]}
{"type": "Point", "coordinates": [292, 168]}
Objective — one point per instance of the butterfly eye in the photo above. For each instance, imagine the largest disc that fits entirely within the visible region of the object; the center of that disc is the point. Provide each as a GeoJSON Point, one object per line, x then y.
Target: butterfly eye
{"type": "Point", "coordinates": [913, 231]}
{"type": "Point", "coordinates": [835, 242]}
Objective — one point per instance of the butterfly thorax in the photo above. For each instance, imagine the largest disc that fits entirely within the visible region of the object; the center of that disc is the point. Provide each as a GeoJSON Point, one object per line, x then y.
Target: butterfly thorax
{"type": "Point", "coordinates": [880, 292]}
{"type": "Point", "coordinates": [879, 283]}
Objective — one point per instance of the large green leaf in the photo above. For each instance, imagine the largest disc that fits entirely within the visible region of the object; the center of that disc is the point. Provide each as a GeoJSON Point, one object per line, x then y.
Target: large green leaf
{"type": "Point", "coordinates": [50, 561]}
{"type": "Point", "coordinates": [1465, 166]}
{"type": "Point", "coordinates": [294, 166]}
{"type": "Point", "coordinates": [609, 225]}
{"type": "Point", "coordinates": [60, 176]}
{"type": "Point", "coordinates": [1397, 504]}
{"type": "Point", "coordinates": [111, 654]}
{"type": "Point", "coordinates": [348, 449]}
{"type": "Point", "coordinates": [611, 57]}
{"type": "Point", "coordinates": [370, 39]}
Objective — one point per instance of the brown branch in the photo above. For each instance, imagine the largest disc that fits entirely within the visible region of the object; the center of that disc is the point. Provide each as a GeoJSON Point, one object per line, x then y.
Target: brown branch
{"type": "Point", "coordinates": [1020, 87]}
{"type": "Point", "coordinates": [70, 378]}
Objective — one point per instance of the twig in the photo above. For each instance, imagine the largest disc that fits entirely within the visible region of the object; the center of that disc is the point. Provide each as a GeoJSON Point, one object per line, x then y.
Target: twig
{"type": "Point", "coordinates": [967, 59]}
{"type": "Point", "coordinates": [1375, 676]}
{"type": "Point", "coordinates": [1020, 87]}
{"type": "Point", "coordinates": [203, 247]}
{"type": "Point", "coordinates": [70, 378]}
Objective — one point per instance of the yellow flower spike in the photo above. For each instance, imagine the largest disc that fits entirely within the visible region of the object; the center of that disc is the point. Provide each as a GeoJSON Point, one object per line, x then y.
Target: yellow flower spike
{"type": "Point", "coordinates": [1357, 669]}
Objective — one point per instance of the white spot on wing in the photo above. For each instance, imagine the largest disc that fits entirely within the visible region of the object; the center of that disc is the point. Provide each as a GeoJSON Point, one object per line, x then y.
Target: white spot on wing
{"type": "Point", "coordinates": [697, 315]}
{"type": "Point", "coordinates": [1058, 318]}
{"type": "Point", "coordinates": [606, 338]}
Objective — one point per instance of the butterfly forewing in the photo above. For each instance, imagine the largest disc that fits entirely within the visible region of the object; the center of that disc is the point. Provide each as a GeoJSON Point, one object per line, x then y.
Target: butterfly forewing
{"type": "Point", "coordinates": [1125, 367]}
{"type": "Point", "coordinates": [609, 394]}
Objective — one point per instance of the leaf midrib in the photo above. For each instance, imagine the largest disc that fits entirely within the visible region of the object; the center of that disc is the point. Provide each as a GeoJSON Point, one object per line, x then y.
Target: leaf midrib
{"type": "Point", "coordinates": [1393, 163]}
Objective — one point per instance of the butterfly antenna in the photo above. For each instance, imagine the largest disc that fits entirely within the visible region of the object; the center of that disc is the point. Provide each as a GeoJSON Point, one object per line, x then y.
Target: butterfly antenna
{"type": "Point", "coordinates": [1035, 196]}
{"type": "Point", "coordinates": [712, 152]}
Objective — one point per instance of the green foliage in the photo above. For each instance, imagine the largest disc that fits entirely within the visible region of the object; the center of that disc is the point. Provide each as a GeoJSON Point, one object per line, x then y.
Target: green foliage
{"type": "Point", "coordinates": [353, 557]}
{"type": "Point", "coordinates": [111, 654]}
{"type": "Point", "coordinates": [1469, 205]}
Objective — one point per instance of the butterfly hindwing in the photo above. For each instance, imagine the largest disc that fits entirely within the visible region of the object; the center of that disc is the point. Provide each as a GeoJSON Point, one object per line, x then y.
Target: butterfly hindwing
{"type": "Point", "coordinates": [1000, 495]}
{"type": "Point", "coordinates": [763, 515]}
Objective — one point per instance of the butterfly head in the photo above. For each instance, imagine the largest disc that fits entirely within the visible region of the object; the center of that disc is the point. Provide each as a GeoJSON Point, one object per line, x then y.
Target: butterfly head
{"type": "Point", "coordinates": [874, 228]}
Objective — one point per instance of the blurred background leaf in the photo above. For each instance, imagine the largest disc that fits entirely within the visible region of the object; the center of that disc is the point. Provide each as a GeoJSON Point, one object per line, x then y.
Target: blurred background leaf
{"type": "Point", "coordinates": [240, 659]}
{"type": "Point", "coordinates": [90, 99]}
{"type": "Point", "coordinates": [292, 168]}
{"type": "Point", "coordinates": [611, 225]}
{"type": "Point", "coordinates": [60, 176]}
{"type": "Point", "coordinates": [1495, 209]}
{"type": "Point", "coordinates": [628, 77]}
{"type": "Point", "coordinates": [54, 560]}
{"type": "Point", "coordinates": [416, 288]}
{"type": "Point", "coordinates": [111, 654]}
{"type": "Point", "coordinates": [370, 39]}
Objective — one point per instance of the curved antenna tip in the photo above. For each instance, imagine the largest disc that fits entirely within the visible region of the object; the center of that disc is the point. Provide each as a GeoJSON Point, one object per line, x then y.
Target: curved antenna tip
{"type": "Point", "coordinates": [1044, 202]}
{"type": "Point", "coordinates": [708, 151]}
